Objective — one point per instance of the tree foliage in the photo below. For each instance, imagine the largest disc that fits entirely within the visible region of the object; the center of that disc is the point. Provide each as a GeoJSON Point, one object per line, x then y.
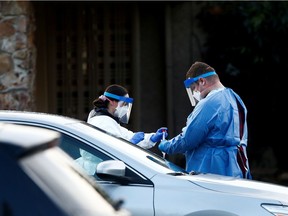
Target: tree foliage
{"type": "Point", "coordinates": [246, 34]}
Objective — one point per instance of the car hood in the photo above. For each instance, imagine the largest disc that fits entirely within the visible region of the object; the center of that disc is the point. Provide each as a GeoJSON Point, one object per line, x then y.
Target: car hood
{"type": "Point", "coordinates": [238, 186]}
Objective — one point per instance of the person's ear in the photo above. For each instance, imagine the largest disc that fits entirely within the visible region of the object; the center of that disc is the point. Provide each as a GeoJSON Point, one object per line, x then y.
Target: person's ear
{"type": "Point", "coordinates": [202, 81]}
{"type": "Point", "coordinates": [113, 103]}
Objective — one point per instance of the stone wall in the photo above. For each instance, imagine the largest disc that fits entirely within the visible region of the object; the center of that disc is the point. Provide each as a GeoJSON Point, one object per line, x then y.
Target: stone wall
{"type": "Point", "coordinates": [17, 55]}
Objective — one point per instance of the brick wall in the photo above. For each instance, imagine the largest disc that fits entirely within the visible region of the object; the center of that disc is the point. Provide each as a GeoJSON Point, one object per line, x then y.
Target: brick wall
{"type": "Point", "coordinates": [17, 55]}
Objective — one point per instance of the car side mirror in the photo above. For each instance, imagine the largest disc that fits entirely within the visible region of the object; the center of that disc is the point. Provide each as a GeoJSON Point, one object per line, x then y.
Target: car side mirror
{"type": "Point", "coordinates": [113, 170]}
{"type": "Point", "coordinates": [111, 167]}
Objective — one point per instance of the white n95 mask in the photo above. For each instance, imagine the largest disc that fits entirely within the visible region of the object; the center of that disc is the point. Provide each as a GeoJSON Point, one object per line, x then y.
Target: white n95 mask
{"type": "Point", "coordinates": [123, 112]}
{"type": "Point", "coordinates": [196, 95]}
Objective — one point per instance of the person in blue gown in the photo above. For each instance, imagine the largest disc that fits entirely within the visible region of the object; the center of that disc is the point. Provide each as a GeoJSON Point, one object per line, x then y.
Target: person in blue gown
{"type": "Point", "coordinates": [214, 139]}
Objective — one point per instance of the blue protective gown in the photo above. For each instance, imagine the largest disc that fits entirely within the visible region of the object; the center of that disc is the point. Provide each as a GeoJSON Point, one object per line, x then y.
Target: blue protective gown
{"type": "Point", "coordinates": [211, 135]}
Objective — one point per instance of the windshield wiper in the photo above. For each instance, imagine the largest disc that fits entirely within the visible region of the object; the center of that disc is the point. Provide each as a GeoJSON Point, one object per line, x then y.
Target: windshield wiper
{"type": "Point", "coordinates": [194, 173]}
{"type": "Point", "coordinates": [177, 173]}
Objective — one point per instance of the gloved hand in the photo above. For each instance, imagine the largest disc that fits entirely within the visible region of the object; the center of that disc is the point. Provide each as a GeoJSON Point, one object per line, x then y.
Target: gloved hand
{"type": "Point", "coordinates": [159, 134]}
{"type": "Point", "coordinates": [139, 136]}
{"type": "Point", "coordinates": [161, 145]}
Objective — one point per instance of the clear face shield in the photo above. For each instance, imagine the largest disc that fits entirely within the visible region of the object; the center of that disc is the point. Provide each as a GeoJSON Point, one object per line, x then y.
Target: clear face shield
{"type": "Point", "coordinates": [191, 97]}
{"type": "Point", "coordinates": [124, 107]}
{"type": "Point", "coordinates": [194, 96]}
{"type": "Point", "coordinates": [123, 111]}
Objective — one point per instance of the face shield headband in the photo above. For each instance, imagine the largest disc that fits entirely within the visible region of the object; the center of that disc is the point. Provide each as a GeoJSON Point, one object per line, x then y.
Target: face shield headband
{"type": "Point", "coordinates": [188, 82]}
{"type": "Point", "coordinates": [120, 98]}
{"type": "Point", "coordinates": [123, 110]}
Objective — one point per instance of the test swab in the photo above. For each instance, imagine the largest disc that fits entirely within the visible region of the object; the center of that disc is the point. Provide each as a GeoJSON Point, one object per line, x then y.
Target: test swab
{"type": "Point", "coordinates": [163, 138]}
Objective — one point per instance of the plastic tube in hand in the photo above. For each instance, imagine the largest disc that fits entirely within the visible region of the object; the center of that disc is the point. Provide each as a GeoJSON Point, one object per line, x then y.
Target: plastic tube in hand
{"type": "Point", "coordinates": [163, 138]}
{"type": "Point", "coordinates": [163, 134]}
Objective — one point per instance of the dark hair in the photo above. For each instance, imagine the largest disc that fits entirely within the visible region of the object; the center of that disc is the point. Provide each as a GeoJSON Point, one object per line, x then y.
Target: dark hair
{"type": "Point", "coordinates": [198, 68]}
{"type": "Point", "coordinates": [113, 89]}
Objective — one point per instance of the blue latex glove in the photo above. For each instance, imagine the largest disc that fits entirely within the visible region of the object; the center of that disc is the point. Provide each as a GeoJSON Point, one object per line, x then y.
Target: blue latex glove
{"type": "Point", "coordinates": [161, 145]}
{"type": "Point", "coordinates": [159, 134]}
{"type": "Point", "coordinates": [139, 136]}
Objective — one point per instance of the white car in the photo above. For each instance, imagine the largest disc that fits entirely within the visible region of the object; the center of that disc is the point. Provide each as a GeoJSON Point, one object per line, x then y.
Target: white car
{"type": "Point", "coordinates": [38, 178]}
{"type": "Point", "coordinates": [151, 185]}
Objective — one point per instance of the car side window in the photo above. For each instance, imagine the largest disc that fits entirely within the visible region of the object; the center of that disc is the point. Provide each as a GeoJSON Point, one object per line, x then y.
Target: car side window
{"type": "Point", "coordinates": [70, 146]}
{"type": "Point", "coordinates": [84, 155]}
{"type": "Point", "coordinates": [89, 161]}
{"type": "Point", "coordinates": [88, 157]}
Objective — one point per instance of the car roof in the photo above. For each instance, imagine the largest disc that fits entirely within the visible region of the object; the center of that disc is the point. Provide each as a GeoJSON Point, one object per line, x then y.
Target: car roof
{"type": "Point", "coordinates": [43, 117]}
{"type": "Point", "coordinates": [89, 133]}
{"type": "Point", "coordinates": [27, 140]}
